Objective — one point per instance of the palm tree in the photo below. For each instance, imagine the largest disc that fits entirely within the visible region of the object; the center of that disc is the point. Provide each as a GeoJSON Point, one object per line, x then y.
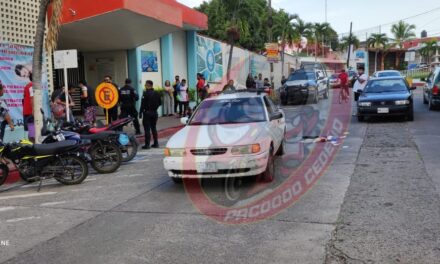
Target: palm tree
{"type": "Point", "coordinates": [304, 29]}
{"type": "Point", "coordinates": [322, 32]}
{"type": "Point", "coordinates": [429, 49]}
{"type": "Point", "coordinates": [347, 41]}
{"type": "Point", "coordinates": [377, 41]}
{"type": "Point", "coordinates": [284, 31]}
{"type": "Point", "coordinates": [37, 63]}
{"type": "Point", "coordinates": [402, 32]}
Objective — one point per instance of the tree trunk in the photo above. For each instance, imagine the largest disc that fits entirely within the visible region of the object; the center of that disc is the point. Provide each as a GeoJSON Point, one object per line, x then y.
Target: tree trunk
{"type": "Point", "coordinates": [282, 61]}
{"type": "Point", "coordinates": [228, 74]}
{"type": "Point", "coordinates": [397, 60]}
{"type": "Point", "coordinates": [375, 61]}
{"type": "Point", "coordinates": [382, 61]}
{"type": "Point", "coordinates": [37, 66]}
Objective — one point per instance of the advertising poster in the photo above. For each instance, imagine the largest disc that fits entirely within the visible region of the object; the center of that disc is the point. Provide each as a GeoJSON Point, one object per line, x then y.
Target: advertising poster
{"type": "Point", "coordinates": [272, 51]}
{"type": "Point", "coordinates": [209, 59]}
{"type": "Point", "coordinates": [149, 61]}
{"type": "Point", "coordinates": [15, 75]}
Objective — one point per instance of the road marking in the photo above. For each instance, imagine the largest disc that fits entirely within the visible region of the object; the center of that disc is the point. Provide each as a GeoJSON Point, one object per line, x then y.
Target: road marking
{"type": "Point", "coordinates": [4, 209]}
{"type": "Point", "coordinates": [53, 203]}
{"type": "Point", "coordinates": [27, 195]}
{"type": "Point", "coordinates": [129, 176]}
{"type": "Point", "coordinates": [22, 219]}
{"type": "Point", "coordinates": [52, 183]}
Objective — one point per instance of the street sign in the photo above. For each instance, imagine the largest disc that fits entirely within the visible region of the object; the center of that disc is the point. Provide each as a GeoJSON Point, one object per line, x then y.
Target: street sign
{"type": "Point", "coordinates": [65, 59]}
{"type": "Point", "coordinates": [106, 95]}
{"type": "Point", "coordinates": [272, 50]}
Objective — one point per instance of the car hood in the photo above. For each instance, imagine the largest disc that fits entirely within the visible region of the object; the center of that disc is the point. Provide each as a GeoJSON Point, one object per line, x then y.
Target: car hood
{"type": "Point", "coordinates": [299, 83]}
{"type": "Point", "coordinates": [384, 96]}
{"type": "Point", "coordinates": [218, 135]}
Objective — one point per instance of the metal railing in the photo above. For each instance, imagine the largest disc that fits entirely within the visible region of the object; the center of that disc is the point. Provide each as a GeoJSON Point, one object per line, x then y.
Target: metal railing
{"type": "Point", "coordinates": [416, 73]}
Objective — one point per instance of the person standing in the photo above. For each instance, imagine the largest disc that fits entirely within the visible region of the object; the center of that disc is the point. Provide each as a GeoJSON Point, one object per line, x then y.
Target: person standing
{"type": "Point", "coordinates": [183, 98]}
{"type": "Point", "coordinates": [168, 99]}
{"type": "Point", "coordinates": [5, 118]}
{"type": "Point", "coordinates": [112, 112]}
{"type": "Point", "coordinates": [88, 102]}
{"type": "Point", "coordinates": [61, 100]}
{"type": "Point", "coordinates": [360, 83]}
{"type": "Point", "coordinates": [250, 83]}
{"type": "Point", "coordinates": [259, 82]}
{"type": "Point", "coordinates": [28, 106]}
{"type": "Point", "coordinates": [200, 87]}
{"type": "Point", "coordinates": [150, 103]}
{"type": "Point", "coordinates": [176, 87]}
{"type": "Point", "coordinates": [283, 80]}
{"type": "Point", "coordinates": [343, 78]}
{"type": "Point", "coordinates": [128, 98]}
{"type": "Point", "coordinates": [229, 87]}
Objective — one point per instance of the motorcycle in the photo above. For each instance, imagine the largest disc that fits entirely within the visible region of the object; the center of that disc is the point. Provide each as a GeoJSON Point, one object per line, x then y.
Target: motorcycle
{"type": "Point", "coordinates": [128, 147]}
{"type": "Point", "coordinates": [61, 161]}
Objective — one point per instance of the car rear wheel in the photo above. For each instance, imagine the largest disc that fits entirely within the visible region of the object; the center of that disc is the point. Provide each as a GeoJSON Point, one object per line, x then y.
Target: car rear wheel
{"type": "Point", "coordinates": [424, 99]}
{"type": "Point", "coordinates": [177, 180]}
{"type": "Point", "coordinates": [431, 105]}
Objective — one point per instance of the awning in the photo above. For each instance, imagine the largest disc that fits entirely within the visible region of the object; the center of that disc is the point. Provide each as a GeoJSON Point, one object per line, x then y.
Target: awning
{"type": "Point", "coordinates": [123, 24]}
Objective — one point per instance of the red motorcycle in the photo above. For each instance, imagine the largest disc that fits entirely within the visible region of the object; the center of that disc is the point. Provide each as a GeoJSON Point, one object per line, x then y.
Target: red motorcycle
{"type": "Point", "coordinates": [129, 149]}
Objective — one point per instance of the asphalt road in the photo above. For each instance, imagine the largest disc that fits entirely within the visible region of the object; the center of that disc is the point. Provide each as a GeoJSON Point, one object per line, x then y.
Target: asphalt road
{"type": "Point", "coordinates": [376, 203]}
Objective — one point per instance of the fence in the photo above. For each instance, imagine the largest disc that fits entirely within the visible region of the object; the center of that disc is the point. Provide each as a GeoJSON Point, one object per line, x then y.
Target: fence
{"type": "Point", "coordinates": [416, 73]}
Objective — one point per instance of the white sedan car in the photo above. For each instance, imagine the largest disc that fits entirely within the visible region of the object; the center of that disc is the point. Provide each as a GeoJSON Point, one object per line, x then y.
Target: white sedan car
{"type": "Point", "coordinates": [232, 135]}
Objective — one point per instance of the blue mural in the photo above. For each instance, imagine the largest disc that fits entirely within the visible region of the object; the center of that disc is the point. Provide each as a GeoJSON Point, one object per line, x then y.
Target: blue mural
{"type": "Point", "coordinates": [209, 59]}
{"type": "Point", "coordinates": [149, 61]}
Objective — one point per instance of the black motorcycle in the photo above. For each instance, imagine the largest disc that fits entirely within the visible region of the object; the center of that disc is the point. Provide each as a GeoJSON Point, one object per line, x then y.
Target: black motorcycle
{"type": "Point", "coordinates": [61, 161]}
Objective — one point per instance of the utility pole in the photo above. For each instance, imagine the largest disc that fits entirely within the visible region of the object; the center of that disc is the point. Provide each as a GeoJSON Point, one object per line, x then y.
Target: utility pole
{"type": "Point", "coordinates": [349, 44]}
{"type": "Point", "coordinates": [270, 24]}
{"type": "Point", "coordinates": [325, 11]}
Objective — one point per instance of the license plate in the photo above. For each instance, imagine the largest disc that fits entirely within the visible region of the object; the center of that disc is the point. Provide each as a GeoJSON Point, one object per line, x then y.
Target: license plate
{"type": "Point", "coordinates": [206, 167]}
{"type": "Point", "coordinates": [383, 110]}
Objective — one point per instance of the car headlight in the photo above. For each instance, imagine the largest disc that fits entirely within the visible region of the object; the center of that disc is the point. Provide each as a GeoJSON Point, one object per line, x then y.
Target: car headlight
{"type": "Point", "coordinates": [365, 104]}
{"type": "Point", "coordinates": [175, 152]}
{"type": "Point", "coordinates": [243, 150]}
{"type": "Point", "coordinates": [402, 102]}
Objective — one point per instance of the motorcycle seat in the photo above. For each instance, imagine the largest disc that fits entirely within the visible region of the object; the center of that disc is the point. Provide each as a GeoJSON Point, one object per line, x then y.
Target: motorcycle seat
{"type": "Point", "coordinates": [95, 130]}
{"type": "Point", "coordinates": [54, 148]}
{"type": "Point", "coordinates": [100, 136]}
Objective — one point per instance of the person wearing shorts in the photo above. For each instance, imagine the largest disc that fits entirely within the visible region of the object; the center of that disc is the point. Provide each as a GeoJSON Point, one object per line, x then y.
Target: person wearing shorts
{"type": "Point", "coordinates": [343, 78]}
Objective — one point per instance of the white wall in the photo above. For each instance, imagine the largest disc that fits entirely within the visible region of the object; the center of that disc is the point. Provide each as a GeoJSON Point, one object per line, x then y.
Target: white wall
{"type": "Point", "coordinates": [156, 77]}
{"type": "Point", "coordinates": [180, 62]}
{"type": "Point", "coordinates": [99, 64]}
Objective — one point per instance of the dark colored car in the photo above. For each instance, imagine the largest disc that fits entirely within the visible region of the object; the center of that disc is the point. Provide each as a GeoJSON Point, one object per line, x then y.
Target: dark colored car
{"type": "Point", "coordinates": [386, 97]}
{"type": "Point", "coordinates": [303, 86]}
{"type": "Point", "coordinates": [431, 91]}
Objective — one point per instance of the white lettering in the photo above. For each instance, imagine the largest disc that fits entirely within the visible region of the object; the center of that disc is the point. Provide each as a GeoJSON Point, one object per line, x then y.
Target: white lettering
{"type": "Point", "coordinates": [276, 202]}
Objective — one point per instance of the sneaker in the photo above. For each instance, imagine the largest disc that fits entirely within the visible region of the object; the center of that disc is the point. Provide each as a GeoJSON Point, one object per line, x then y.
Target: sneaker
{"type": "Point", "coordinates": [146, 147]}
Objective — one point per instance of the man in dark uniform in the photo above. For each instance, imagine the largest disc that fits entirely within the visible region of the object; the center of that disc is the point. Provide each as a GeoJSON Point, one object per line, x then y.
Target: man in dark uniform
{"type": "Point", "coordinates": [127, 99]}
{"type": "Point", "coordinates": [150, 103]}
{"type": "Point", "coordinates": [112, 112]}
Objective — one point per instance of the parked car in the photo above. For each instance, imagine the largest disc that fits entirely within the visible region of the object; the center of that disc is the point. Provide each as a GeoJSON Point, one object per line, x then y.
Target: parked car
{"type": "Point", "coordinates": [431, 92]}
{"type": "Point", "coordinates": [388, 96]}
{"type": "Point", "coordinates": [334, 81]}
{"type": "Point", "coordinates": [303, 86]}
{"type": "Point", "coordinates": [387, 73]}
{"type": "Point", "coordinates": [231, 135]}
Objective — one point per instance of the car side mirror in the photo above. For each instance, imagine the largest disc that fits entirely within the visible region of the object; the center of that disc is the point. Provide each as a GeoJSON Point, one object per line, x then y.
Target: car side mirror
{"type": "Point", "coordinates": [413, 87]}
{"type": "Point", "coordinates": [184, 120]}
{"type": "Point", "coordinates": [275, 116]}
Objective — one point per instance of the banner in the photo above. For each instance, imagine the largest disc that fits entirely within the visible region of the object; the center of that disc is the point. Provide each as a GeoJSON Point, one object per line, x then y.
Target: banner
{"type": "Point", "coordinates": [15, 74]}
{"type": "Point", "coordinates": [272, 51]}
{"type": "Point", "coordinates": [209, 59]}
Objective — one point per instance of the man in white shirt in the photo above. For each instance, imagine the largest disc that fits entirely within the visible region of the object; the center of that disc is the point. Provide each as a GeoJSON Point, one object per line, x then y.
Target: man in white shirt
{"type": "Point", "coordinates": [360, 83]}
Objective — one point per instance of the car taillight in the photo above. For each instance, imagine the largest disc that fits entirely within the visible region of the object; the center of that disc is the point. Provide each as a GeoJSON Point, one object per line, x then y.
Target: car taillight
{"type": "Point", "coordinates": [435, 90]}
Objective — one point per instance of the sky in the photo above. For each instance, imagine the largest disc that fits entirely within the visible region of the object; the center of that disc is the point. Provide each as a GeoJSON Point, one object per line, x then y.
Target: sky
{"type": "Point", "coordinates": [368, 17]}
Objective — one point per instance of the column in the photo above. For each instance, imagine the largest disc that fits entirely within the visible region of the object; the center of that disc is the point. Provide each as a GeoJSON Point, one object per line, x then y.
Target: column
{"type": "Point", "coordinates": [135, 71]}
{"type": "Point", "coordinates": [166, 47]}
{"type": "Point", "coordinates": [191, 46]}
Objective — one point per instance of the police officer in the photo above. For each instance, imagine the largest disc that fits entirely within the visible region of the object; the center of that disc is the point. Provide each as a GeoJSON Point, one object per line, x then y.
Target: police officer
{"type": "Point", "coordinates": [127, 99]}
{"type": "Point", "coordinates": [150, 103]}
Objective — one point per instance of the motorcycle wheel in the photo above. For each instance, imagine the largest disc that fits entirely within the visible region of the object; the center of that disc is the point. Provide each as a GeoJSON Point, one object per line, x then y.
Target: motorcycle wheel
{"type": "Point", "coordinates": [106, 158]}
{"type": "Point", "coordinates": [4, 172]}
{"type": "Point", "coordinates": [129, 151]}
{"type": "Point", "coordinates": [75, 170]}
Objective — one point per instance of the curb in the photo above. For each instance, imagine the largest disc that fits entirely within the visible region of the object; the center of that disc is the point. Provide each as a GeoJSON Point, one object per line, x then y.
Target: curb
{"type": "Point", "coordinates": [14, 176]}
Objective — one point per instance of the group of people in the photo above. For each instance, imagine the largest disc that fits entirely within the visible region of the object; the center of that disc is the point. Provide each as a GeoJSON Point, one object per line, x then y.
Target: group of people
{"type": "Point", "coordinates": [358, 86]}
{"type": "Point", "coordinates": [257, 82]}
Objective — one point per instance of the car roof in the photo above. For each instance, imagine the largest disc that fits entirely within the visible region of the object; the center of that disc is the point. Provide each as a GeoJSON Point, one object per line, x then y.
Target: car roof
{"type": "Point", "coordinates": [236, 95]}
{"type": "Point", "coordinates": [387, 71]}
{"type": "Point", "coordinates": [388, 78]}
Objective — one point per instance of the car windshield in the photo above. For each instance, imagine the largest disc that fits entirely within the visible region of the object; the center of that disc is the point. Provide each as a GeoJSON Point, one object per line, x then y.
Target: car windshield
{"type": "Point", "coordinates": [301, 76]}
{"type": "Point", "coordinates": [385, 86]}
{"type": "Point", "coordinates": [229, 111]}
{"type": "Point", "coordinates": [388, 74]}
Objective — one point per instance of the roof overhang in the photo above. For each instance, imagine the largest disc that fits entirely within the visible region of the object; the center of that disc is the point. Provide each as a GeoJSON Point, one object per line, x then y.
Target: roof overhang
{"type": "Point", "coordinates": [123, 24]}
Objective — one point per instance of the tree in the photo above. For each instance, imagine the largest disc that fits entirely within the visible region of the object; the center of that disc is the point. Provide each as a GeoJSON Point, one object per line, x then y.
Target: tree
{"type": "Point", "coordinates": [377, 41]}
{"type": "Point", "coordinates": [402, 32]}
{"type": "Point", "coordinates": [429, 49]}
{"type": "Point", "coordinates": [347, 41]}
{"type": "Point", "coordinates": [304, 29]}
{"type": "Point", "coordinates": [284, 32]}
{"type": "Point", "coordinates": [324, 32]}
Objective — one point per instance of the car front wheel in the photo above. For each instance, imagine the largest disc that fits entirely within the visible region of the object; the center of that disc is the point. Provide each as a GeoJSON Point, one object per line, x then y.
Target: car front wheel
{"type": "Point", "coordinates": [430, 105]}
{"type": "Point", "coordinates": [177, 180]}
{"type": "Point", "coordinates": [361, 118]}
{"type": "Point", "coordinates": [269, 173]}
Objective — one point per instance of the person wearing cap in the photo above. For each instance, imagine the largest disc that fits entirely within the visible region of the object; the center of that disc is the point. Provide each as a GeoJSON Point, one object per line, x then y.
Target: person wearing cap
{"type": "Point", "coordinates": [127, 99]}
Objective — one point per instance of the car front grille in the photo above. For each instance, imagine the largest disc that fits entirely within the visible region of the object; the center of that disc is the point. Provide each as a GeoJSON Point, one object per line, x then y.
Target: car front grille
{"type": "Point", "coordinates": [208, 152]}
{"type": "Point", "coordinates": [219, 172]}
{"type": "Point", "coordinates": [383, 103]}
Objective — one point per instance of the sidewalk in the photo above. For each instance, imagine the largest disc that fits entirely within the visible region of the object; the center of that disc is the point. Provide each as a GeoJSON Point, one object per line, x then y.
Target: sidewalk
{"type": "Point", "coordinates": [166, 127]}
